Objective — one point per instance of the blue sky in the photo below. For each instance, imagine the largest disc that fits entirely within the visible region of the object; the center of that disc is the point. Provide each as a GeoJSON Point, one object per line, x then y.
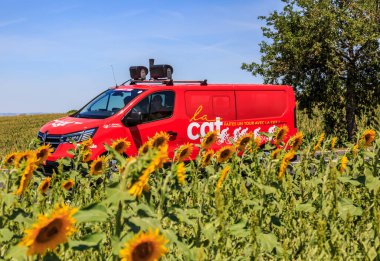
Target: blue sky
{"type": "Point", "coordinates": [57, 55]}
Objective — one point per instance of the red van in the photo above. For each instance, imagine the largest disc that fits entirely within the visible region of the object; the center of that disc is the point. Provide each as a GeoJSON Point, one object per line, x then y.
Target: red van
{"type": "Point", "coordinates": [186, 110]}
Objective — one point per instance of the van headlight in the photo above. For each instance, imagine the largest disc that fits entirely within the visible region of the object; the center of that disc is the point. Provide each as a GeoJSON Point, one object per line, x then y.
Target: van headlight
{"type": "Point", "coordinates": [78, 136]}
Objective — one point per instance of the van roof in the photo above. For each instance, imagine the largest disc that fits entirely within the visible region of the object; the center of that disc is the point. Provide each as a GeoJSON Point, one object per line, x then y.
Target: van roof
{"type": "Point", "coordinates": [220, 86]}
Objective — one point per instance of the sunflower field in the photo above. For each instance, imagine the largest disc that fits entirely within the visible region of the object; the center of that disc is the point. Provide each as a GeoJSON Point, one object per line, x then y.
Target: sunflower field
{"type": "Point", "coordinates": [296, 200]}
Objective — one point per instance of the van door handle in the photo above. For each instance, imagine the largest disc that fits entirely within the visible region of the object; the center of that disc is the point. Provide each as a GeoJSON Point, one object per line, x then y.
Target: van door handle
{"type": "Point", "coordinates": [173, 135]}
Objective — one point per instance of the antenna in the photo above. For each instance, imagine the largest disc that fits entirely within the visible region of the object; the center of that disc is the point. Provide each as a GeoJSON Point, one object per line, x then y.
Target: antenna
{"type": "Point", "coordinates": [114, 78]}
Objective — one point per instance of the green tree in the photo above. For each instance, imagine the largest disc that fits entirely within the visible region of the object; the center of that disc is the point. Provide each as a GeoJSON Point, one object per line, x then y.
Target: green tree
{"type": "Point", "coordinates": [329, 51]}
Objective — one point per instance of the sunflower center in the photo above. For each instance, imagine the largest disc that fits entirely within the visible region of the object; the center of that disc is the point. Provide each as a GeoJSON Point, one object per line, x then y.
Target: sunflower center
{"type": "Point", "coordinates": [11, 159]}
{"type": "Point", "coordinates": [158, 142]}
{"type": "Point", "coordinates": [183, 153]}
{"type": "Point", "coordinates": [244, 142]}
{"type": "Point", "coordinates": [225, 154]}
{"type": "Point", "coordinates": [209, 139]}
{"type": "Point", "coordinates": [68, 185]}
{"type": "Point", "coordinates": [143, 251]}
{"type": "Point", "coordinates": [98, 166]}
{"type": "Point", "coordinates": [119, 147]}
{"type": "Point", "coordinates": [41, 154]}
{"type": "Point", "coordinates": [45, 186]}
{"type": "Point", "coordinates": [50, 231]}
{"type": "Point", "coordinates": [145, 149]}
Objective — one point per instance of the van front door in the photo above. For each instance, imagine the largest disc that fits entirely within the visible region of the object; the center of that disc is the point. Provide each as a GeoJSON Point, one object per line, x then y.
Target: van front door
{"type": "Point", "coordinates": [151, 115]}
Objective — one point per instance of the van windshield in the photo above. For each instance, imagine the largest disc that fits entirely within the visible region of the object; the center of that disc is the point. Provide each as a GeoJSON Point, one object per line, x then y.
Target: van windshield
{"type": "Point", "coordinates": [107, 104]}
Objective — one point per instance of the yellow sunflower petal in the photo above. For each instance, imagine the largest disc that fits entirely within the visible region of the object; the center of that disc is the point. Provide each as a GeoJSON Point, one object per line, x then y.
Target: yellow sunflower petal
{"type": "Point", "coordinates": [148, 246]}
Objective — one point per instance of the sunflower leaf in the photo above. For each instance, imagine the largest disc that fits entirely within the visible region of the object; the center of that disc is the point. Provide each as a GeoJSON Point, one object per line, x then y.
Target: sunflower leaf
{"type": "Point", "coordinates": [17, 253]}
{"type": "Point", "coordinates": [5, 235]}
{"type": "Point", "coordinates": [88, 241]}
{"type": "Point", "coordinates": [92, 213]}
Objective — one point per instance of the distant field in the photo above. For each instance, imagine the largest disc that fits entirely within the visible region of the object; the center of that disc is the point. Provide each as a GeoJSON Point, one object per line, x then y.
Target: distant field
{"type": "Point", "coordinates": [16, 132]}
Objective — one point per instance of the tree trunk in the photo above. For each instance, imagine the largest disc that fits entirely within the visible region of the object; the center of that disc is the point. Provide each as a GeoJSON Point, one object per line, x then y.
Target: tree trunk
{"type": "Point", "coordinates": [350, 107]}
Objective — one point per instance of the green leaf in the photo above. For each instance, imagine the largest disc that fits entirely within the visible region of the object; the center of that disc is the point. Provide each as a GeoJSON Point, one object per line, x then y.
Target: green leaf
{"type": "Point", "coordinates": [183, 217]}
{"type": "Point", "coordinates": [17, 253]}
{"type": "Point", "coordinates": [5, 235]}
{"type": "Point", "coordinates": [145, 210]}
{"type": "Point", "coordinates": [267, 241]}
{"type": "Point", "coordinates": [8, 198]}
{"type": "Point", "coordinates": [88, 241]}
{"type": "Point", "coordinates": [346, 207]}
{"type": "Point", "coordinates": [372, 183]}
{"type": "Point", "coordinates": [239, 229]}
{"type": "Point", "coordinates": [145, 223]}
{"type": "Point", "coordinates": [345, 179]}
{"type": "Point", "coordinates": [92, 213]}
{"type": "Point", "coordinates": [307, 207]}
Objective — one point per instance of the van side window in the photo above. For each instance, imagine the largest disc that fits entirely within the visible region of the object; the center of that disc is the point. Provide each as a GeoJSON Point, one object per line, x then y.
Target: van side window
{"type": "Point", "coordinates": [157, 106]}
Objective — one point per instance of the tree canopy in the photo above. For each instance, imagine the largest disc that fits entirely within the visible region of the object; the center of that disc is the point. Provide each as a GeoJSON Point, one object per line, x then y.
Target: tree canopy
{"type": "Point", "coordinates": [329, 51]}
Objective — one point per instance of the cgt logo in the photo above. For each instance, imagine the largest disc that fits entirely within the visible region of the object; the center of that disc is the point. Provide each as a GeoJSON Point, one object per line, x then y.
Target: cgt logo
{"type": "Point", "coordinates": [196, 130]}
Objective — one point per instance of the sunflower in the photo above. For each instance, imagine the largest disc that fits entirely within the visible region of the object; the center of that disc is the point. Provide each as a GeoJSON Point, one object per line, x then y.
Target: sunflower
{"type": "Point", "coordinates": [243, 141]}
{"type": "Point", "coordinates": [161, 157]}
{"type": "Point", "coordinates": [149, 246]}
{"type": "Point", "coordinates": [24, 156]}
{"type": "Point", "coordinates": [281, 133]}
{"type": "Point", "coordinates": [275, 153]}
{"type": "Point", "coordinates": [137, 188]}
{"type": "Point", "coordinates": [184, 152]}
{"type": "Point", "coordinates": [86, 156]}
{"type": "Point", "coordinates": [26, 176]}
{"type": "Point", "coordinates": [343, 164]}
{"type": "Point", "coordinates": [159, 139]}
{"type": "Point", "coordinates": [86, 145]}
{"type": "Point", "coordinates": [257, 141]}
{"type": "Point", "coordinates": [121, 145]}
{"type": "Point", "coordinates": [333, 142]}
{"type": "Point", "coordinates": [368, 137]}
{"type": "Point", "coordinates": [207, 157]}
{"type": "Point", "coordinates": [68, 184]}
{"type": "Point", "coordinates": [224, 154]}
{"type": "Point", "coordinates": [146, 188]}
{"type": "Point", "coordinates": [355, 150]}
{"type": "Point", "coordinates": [223, 176]}
{"type": "Point", "coordinates": [319, 142]}
{"type": "Point", "coordinates": [98, 166]}
{"type": "Point", "coordinates": [285, 162]}
{"type": "Point", "coordinates": [10, 159]}
{"type": "Point", "coordinates": [44, 186]}
{"type": "Point", "coordinates": [209, 139]}
{"type": "Point", "coordinates": [296, 141]}
{"type": "Point", "coordinates": [144, 148]}
{"type": "Point", "coordinates": [50, 231]}
{"type": "Point", "coordinates": [43, 152]}
{"type": "Point", "coordinates": [181, 173]}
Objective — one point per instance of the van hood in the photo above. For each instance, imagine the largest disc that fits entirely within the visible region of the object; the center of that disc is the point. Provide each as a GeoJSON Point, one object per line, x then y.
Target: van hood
{"type": "Point", "coordinates": [70, 124]}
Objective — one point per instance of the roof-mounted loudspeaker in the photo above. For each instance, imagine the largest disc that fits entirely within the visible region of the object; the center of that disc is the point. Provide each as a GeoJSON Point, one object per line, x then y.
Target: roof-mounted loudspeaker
{"type": "Point", "coordinates": [161, 71]}
{"type": "Point", "coordinates": [138, 72]}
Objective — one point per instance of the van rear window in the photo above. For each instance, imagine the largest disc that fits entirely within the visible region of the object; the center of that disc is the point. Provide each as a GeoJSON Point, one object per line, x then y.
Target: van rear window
{"type": "Point", "coordinates": [260, 104]}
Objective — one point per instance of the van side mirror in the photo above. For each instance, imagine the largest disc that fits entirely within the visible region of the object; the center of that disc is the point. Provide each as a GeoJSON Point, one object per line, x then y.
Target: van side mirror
{"type": "Point", "coordinates": [132, 119]}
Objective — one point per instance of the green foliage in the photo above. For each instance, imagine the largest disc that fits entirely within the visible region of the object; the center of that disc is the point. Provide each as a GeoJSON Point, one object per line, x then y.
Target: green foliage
{"type": "Point", "coordinates": [315, 210]}
{"type": "Point", "coordinates": [329, 52]}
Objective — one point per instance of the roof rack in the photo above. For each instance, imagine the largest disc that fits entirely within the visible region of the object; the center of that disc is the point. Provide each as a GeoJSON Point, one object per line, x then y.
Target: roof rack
{"type": "Point", "coordinates": [167, 82]}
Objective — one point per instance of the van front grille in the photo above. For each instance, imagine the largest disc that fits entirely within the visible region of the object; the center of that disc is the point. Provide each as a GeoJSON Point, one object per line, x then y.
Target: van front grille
{"type": "Point", "coordinates": [53, 140]}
